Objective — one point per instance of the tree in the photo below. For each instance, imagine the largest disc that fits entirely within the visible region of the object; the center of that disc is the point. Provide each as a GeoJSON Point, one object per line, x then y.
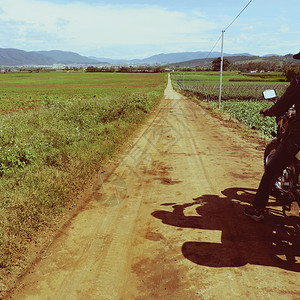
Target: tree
{"type": "Point", "coordinates": [216, 64]}
{"type": "Point", "coordinates": [91, 69]}
{"type": "Point", "coordinates": [291, 71]}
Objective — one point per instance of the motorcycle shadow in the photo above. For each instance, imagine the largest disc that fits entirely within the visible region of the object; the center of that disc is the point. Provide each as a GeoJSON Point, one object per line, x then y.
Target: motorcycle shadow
{"type": "Point", "coordinates": [275, 242]}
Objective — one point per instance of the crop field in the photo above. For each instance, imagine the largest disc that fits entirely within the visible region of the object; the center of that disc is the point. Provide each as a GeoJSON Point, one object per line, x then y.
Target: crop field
{"type": "Point", "coordinates": [19, 90]}
{"type": "Point", "coordinates": [241, 94]}
{"type": "Point", "coordinates": [56, 131]}
{"type": "Point", "coordinates": [247, 112]}
{"type": "Point", "coordinates": [235, 86]}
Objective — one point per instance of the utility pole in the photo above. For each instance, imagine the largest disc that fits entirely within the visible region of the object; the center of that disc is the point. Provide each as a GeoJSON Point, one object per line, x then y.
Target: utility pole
{"type": "Point", "coordinates": [221, 70]}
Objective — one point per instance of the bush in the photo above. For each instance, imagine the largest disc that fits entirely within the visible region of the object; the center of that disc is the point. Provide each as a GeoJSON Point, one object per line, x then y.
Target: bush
{"type": "Point", "coordinates": [291, 72]}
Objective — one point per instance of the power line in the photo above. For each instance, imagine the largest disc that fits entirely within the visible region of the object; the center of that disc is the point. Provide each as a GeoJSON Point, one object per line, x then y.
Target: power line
{"type": "Point", "coordinates": [213, 47]}
{"type": "Point", "coordinates": [238, 15]}
{"type": "Point", "coordinates": [221, 66]}
{"type": "Point", "coordinates": [228, 27]}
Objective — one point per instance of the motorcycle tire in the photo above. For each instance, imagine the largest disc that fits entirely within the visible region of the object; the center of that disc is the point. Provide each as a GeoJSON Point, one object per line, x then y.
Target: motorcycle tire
{"type": "Point", "coordinates": [269, 152]}
{"type": "Point", "coordinates": [285, 182]}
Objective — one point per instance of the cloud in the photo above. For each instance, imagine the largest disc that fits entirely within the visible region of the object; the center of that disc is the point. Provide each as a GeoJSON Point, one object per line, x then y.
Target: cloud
{"type": "Point", "coordinates": [285, 28]}
{"type": "Point", "coordinates": [80, 25]}
{"type": "Point", "coordinates": [248, 28]}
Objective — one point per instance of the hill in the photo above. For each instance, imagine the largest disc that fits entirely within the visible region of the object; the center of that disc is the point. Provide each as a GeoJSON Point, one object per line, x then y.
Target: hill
{"type": "Point", "coordinates": [184, 56]}
{"type": "Point", "coordinates": [67, 57]}
{"type": "Point", "coordinates": [16, 57]}
{"type": "Point", "coordinates": [167, 58]}
{"type": "Point", "coordinates": [236, 59]}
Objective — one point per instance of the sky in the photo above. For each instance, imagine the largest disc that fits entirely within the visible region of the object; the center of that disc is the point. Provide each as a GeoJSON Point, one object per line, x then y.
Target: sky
{"type": "Point", "coordinates": [127, 29]}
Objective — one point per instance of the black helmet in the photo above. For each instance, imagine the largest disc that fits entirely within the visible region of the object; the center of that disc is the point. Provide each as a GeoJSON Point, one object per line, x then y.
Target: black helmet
{"type": "Point", "coordinates": [297, 56]}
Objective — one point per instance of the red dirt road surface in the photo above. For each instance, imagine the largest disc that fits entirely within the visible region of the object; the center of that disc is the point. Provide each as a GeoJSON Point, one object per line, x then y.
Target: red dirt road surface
{"type": "Point", "coordinates": [168, 223]}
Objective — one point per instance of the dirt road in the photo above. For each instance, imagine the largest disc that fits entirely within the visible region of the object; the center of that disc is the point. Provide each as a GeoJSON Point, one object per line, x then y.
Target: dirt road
{"type": "Point", "coordinates": [167, 222]}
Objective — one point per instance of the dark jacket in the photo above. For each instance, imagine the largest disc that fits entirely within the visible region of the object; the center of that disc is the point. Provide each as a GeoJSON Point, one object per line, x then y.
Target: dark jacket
{"type": "Point", "coordinates": [289, 98]}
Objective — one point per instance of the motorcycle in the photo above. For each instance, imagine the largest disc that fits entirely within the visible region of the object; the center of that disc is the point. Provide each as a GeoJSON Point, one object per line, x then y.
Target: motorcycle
{"type": "Point", "coordinates": [287, 188]}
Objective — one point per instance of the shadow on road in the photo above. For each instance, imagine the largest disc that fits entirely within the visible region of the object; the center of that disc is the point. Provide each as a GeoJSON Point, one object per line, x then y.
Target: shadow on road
{"type": "Point", "coordinates": [275, 242]}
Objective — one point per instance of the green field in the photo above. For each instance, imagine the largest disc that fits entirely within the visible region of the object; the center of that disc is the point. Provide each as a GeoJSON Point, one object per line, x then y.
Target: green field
{"type": "Point", "coordinates": [213, 77]}
{"type": "Point", "coordinates": [241, 94]}
{"type": "Point", "coordinates": [235, 85]}
{"type": "Point", "coordinates": [22, 90]}
{"type": "Point", "coordinates": [57, 129]}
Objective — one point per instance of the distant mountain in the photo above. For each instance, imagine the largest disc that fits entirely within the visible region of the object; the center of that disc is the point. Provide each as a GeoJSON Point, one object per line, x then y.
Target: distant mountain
{"type": "Point", "coordinates": [169, 57]}
{"type": "Point", "coordinates": [16, 57]}
{"type": "Point", "coordinates": [110, 60]}
{"type": "Point", "coordinates": [184, 56]}
{"type": "Point", "coordinates": [236, 59]}
{"type": "Point", "coordinates": [67, 57]}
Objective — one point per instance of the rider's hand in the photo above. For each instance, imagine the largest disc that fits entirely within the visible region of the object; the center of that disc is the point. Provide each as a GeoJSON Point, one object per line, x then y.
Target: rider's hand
{"type": "Point", "coordinates": [264, 112]}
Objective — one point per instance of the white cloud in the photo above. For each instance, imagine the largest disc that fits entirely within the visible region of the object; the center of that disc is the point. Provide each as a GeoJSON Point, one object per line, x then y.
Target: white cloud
{"type": "Point", "coordinates": [80, 24]}
{"type": "Point", "coordinates": [249, 28]}
{"type": "Point", "coordinates": [285, 28]}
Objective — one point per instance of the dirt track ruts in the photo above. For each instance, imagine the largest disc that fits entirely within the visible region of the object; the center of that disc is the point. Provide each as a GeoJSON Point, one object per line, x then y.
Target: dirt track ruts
{"type": "Point", "coordinates": [167, 223]}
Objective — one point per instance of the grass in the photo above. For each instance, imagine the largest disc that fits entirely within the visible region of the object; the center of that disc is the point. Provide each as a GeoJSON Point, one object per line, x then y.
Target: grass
{"type": "Point", "coordinates": [49, 152]}
{"type": "Point", "coordinates": [25, 90]}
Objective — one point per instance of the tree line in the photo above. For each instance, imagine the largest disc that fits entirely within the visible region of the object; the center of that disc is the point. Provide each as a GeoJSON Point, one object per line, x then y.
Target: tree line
{"type": "Point", "coordinates": [288, 69]}
{"type": "Point", "coordinates": [128, 69]}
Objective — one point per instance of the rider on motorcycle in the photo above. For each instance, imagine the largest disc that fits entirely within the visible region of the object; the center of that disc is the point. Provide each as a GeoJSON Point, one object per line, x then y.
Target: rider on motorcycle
{"type": "Point", "coordinates": [285, 151]}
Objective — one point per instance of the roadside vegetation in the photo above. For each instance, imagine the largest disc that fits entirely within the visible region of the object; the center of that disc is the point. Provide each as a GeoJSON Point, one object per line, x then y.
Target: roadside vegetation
{"type": "Point", "coordinates": [56, 132]}
{"type": "Point", "coordinates": [241, 93]}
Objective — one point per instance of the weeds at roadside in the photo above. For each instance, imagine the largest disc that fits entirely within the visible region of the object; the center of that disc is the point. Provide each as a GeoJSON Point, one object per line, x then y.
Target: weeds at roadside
{"type": "Point", "coordinates": [49, 153]}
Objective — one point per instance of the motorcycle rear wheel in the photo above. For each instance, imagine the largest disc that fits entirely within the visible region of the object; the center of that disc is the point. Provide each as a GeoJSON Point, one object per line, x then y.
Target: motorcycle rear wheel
{"type": "Point", "coordinates": [285, 183]}
{"type": "Point", "coordinates": [269, 152]}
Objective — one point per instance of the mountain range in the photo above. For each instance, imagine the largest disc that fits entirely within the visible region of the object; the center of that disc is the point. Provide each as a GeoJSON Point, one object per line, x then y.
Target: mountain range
{"type": "Point", "coordinates": [168, 58]}
{"type": "Point", "coordinates": [236, 59]}
{"type": "Point", "coordinates": [15, 57]}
